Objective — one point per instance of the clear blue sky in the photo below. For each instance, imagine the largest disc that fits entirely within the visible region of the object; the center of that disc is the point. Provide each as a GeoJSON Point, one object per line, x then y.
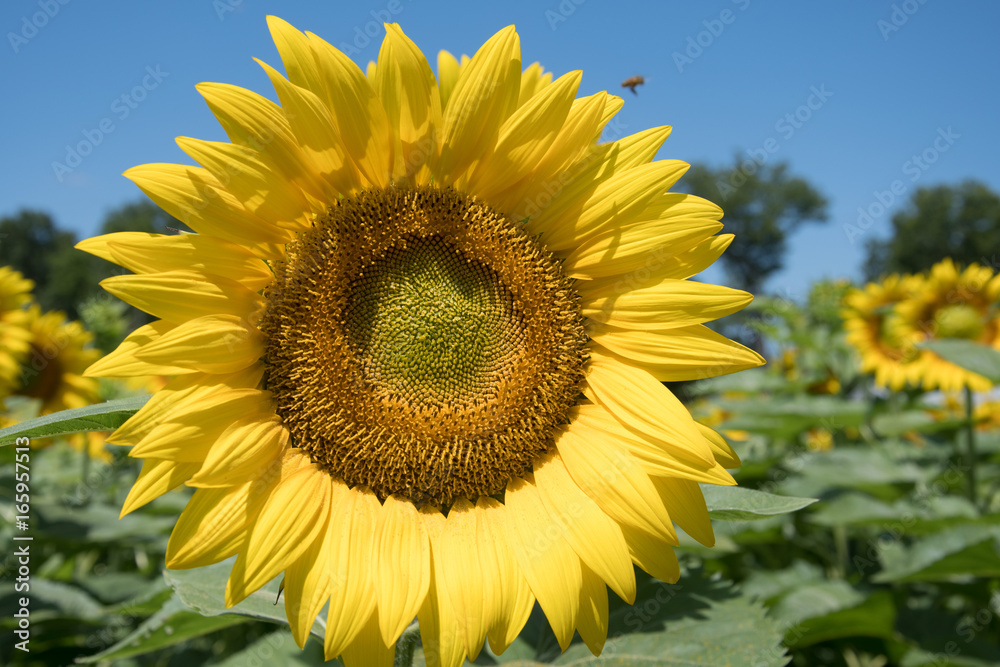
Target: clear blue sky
{"type": "Point", "coordinates": [895, 76]}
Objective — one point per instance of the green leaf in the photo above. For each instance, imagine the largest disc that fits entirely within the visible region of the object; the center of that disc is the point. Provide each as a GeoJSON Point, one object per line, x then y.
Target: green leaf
{"type": "Point", "coordinates": [278, 649]}
{"type": "Point", "coordinates": [172, 624]}
{"type": "Point", "coordinates": [101, 417]}
{"type": "Point", "coordinates": [956, 554]}
{"type": "Point", "coordinates": [203, 589]}
{"type": "Point", "coordinates": [873, 616]}
{"type": "Point", "coordinates": [970, 355]}
{"type": "Point", "coordinates": [696, 621]}
{"type": "Point", "coordinates": [734, 503]}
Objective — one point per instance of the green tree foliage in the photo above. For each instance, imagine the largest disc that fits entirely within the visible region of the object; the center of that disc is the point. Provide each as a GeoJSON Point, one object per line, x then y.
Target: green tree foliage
{"type": "Point", "coordinates": [961, 222]}
{"type": "Point", "coordinates": [762, 205]}
{"type": "Point", "coordinates": [32, 243]}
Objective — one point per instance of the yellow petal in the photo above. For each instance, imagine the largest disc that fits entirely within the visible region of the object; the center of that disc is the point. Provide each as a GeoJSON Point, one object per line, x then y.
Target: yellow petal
{"type": "Point", "coordinates": [484, 95]}
{"type": "Point", "coordinates": [641, 246]}
{"type": "Point", "coordinates": [403, 562]}
{"type": "Point", "coordinates": [211, 528]}
{"type": "Point", "coordinates": [441, 634]}
{"type": "Point", "coordinates": [154, 253]}
{"type": "Point", "coordinates": [254, 122]}
{"type": "Point", "coordinates": [180, 395]}
{"type": "Point", "coordinates": [618, 200]}
{"type": "Point", "coordinates": [368, 649]}
{"type": "Point", "coordinates": [447, 76]}
{"type": "Point", "coordinates": [594, 536]}
{"type": "Point", "coordinates": [124, 362]}
{"type": "Point", "coordinates": [196, 198]}
{"type": "Point", "coordinates": [617, 484]}
{"type": "Point", "coordinates": [723, 453]}
{"type": "Point", "coordinates": [357, 112]}
{"type": "Point", "coordinates": [509, 595]}
{"type": "Point", "coordinates": [667, 267]}
{"type": "Point", "coordinates": [312, 125]}
{"type": "Point", "coordinates": [211, 344]}
{"type": "Point", "coordinates": [465, 580]}
{"type": "Point", "coordinates": [652, 554]}
{"type": "Point", "coordinates": [307, 580]}
{"type": "Point", "coordinates": [548, 562]}
{"type": "Point", "coordinates": [179, 296]}
{"type": "Point", "coordinates": [242, 450]}
{"type": "Point", "coordinates": [687, 507]}
{"type": "Point", "coordinates": [156, 478]}
{"type": "Point", "coordinates": [189, 436]}
{"type": "Point", "coordinates": [593, 620]}
{"type": "Point", "coordinates": [290, 520]}
{"type": "Point", "coordinates": [534, 191]}
{"type": "Point", "coordinates": [594, 423]}
{"type": "Point", "coordinates": [533, 79]}
{"type": "Point", "coordinates": [640, 402]}
{"type": "Point", "coordinates": [297, 56]}
{"type": "Point", "coordinates": [353, 521]}
{"type": "Point", "coordinates": [262, 191]}
{"type": "Point", "coordinates": [665, 305]}
{"type": "Point", "coordinates": [405, 83]}
{"type": "Point", "coordinates": [525, 137]}
{"type": "Point", "coordinates": [685, 353]}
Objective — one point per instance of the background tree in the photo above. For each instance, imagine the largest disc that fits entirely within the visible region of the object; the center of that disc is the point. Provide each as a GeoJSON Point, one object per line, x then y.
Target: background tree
{"type": "Point", "coordinates": [763, 204]}
{"type": "Point", "coordinates": [65, 278]}
{"type": "Point", "coordinates": [961, 222]}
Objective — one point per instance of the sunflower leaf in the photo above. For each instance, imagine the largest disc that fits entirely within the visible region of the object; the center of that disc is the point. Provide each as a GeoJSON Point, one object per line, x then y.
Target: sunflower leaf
{"type": "Point", "coordinates": [970, 355]}
{"type": "Point", "coordinates": [172, 624]}
{"type": "Point", "coordinates": [100, 417]}
{"type": "Point", "coordinates": [203, 590]}
{"type": "Point", "coordinates": [734, 503]}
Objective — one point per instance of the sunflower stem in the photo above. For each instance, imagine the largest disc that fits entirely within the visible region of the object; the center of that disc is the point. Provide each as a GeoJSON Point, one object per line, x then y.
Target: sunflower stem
{"type": "Point", "coordinates": [970, 442]}
{"type": "Point", "coordinates": [406, 645]}
{"type": "Point", "coordinates": [84, 465]}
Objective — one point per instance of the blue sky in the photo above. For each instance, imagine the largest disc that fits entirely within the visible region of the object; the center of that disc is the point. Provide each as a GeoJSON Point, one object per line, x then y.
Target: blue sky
{"type": "Point", "coordinates": [856, 95]}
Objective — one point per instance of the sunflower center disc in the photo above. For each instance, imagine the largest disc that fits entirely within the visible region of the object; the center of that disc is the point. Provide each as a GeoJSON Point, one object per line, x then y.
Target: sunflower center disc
{"type": "Point", "coordinates": [419, 343]}
{"type": "Point", "coordinates": [432, 325]}
{"type": "Point", "coordinates": [958, 321]}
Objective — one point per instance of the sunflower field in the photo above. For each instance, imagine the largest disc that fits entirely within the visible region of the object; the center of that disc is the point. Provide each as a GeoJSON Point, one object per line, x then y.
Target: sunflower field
{"type": "Point", "coordinates": [388, 414]}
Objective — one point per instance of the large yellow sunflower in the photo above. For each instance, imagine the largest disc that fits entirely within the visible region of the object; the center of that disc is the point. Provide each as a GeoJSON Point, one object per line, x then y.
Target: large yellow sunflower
{"type": "Point", "coordinates": [418, 343]}
{"type": "Point", "coordinates": [15, 338]}
{"type": "Point", "coordinates": [869, 315]}
{"type": "Point", "coordinates": [951, 304]}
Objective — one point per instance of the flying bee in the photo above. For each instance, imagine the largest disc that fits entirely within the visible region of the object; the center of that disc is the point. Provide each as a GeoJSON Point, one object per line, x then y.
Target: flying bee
{"type": "Point", "coordinates": [632, 82]}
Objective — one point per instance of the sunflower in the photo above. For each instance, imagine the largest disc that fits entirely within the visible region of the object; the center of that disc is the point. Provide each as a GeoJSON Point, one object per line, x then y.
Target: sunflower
{"type": "Point", "coordinates": [15, 338]}
{"type": "Point", "coordinates": [952, 304]}
{"type": "Point", "coordinates": [53, 371]}
{"type": "Point", "coordinates": [417, 346]}
{"type": "Point", "coordinates": [869, 316]}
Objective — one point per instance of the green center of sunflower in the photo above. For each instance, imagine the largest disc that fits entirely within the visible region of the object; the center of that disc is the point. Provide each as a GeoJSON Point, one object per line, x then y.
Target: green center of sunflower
{"type": "Point", "coordinates": [958, 321]}
{"type": "Point", "coordinates": [431, 324]}
{"type": "Point", "coordinates": [419, 343]}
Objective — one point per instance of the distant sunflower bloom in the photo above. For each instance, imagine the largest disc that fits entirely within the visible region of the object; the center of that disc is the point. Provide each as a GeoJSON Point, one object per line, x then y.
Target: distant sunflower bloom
{"type": "Point", "coordinates": [53, 371]}
{"type": "Point", "coordinates": [15, 339]}
{"type": "Point", "coordinates": [418, 343]}
{"type": "Point", "coordinates": [869, 316]}
{"type": "Point", "coordinates": [952, 304]}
